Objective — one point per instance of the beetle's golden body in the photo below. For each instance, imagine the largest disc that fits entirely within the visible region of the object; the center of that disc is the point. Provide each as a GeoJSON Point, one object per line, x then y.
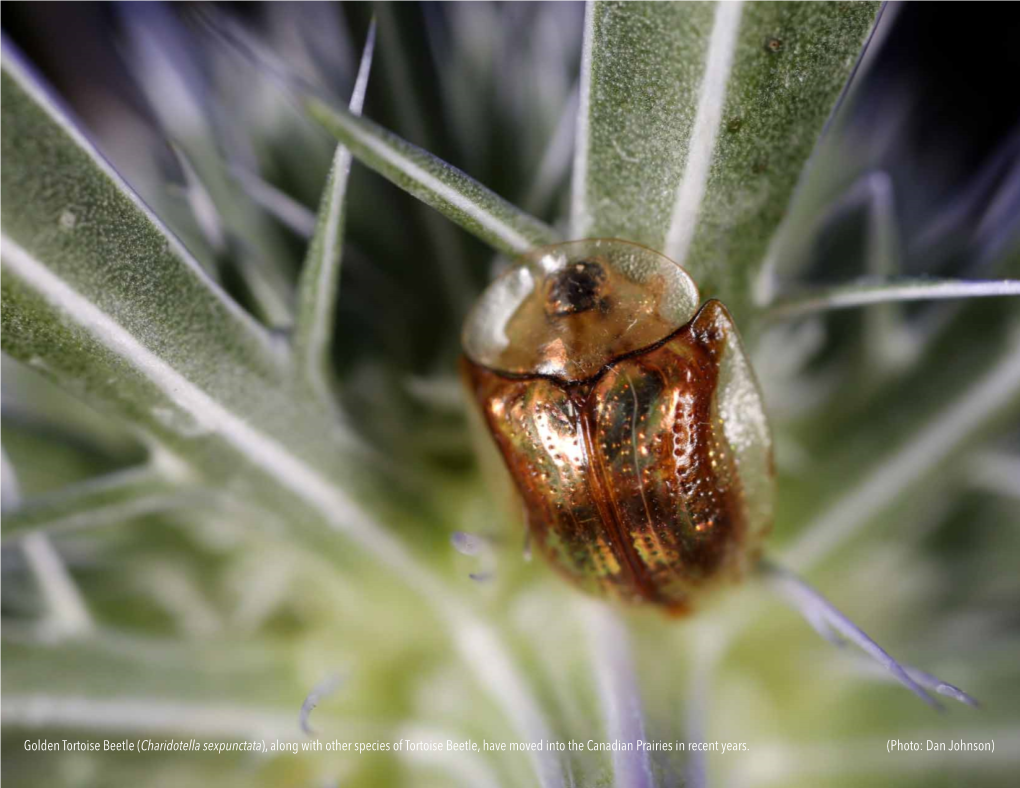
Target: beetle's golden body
{"type": "Point", "coordinates": [619, 443]}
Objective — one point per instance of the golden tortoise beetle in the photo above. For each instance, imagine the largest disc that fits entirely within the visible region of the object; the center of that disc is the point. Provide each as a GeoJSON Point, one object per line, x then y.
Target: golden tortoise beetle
{"type": "Point", "coordinates": [629, 419]}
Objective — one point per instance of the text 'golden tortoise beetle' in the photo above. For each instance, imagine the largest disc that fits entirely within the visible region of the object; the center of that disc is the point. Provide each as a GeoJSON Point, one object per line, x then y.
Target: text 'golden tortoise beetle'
{"type": "Point", "coordinates": [629, 420]}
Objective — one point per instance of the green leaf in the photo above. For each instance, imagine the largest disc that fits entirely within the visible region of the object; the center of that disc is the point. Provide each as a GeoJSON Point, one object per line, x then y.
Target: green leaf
{"type": "Point", "coordinates": [122, 667]}
{"type": "Point", "coordinates": [66, 205]}
{"type": "Point", "coordinates": [696, 121]}
{"type": "Point", "coordinates": [122, 315]}
{"type": "Point", "coordinates": [865, 293]}
{"type": "Point", "coordinates": [98, 296]}
{"type": "Point", "coordinates": [931, 441]}
{"type": "Point", "coordinates": [319, 286]}
{"type": "Point", "coordinates": [97, 502]}
{"type": "Point", "coordinates": [66, 615]}
{"type": "Point", "coordinates": [451, 192]}
{"type": "Point", "coordinates": [277, 203]}
{"type": "Point", "coordinates": [228, 216]}
{"type": "Point", "coordinates": [641, 69]}
{"type": "Point", "coordinates": [406, 98]}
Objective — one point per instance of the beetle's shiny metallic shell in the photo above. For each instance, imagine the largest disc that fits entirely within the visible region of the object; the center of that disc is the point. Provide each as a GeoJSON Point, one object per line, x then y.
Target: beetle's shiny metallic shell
{"type": "Point", "coordinates": [644, 459]}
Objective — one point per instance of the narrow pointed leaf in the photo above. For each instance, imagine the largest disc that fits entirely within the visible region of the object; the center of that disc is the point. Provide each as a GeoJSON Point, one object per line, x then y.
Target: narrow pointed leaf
{"type": "Point", "coordinates": [617, 685]}
{"type": "Point", "coordinates": [98, 502]}
{"type": "Point", "coordinates": [67, 615]}
{"type": "Point", "coordinates": [99, 297]}
{"type": "Point", "coordinates": [66, 205]}
{"type": "Point", "coordinates": [318, 288]}
{"type": "Point", "coordinates": [830, 621]}
{"type": "Point", "coordinates": [284, 208]}
{"type": "Point", "coordinates": [636, 115]}
{"type": "Point", "coordinates": [407, 85]}
{"type": "Point", "coordinates": [693, 142]}
{"type": "Point", "coordinates": [453, 193]}
{"type": "Point", "coordinates": [156, 48]}
{"type": "Point", "coordinates": [865, 293]}
{"type": "Point", "coordinates": [934, 439]}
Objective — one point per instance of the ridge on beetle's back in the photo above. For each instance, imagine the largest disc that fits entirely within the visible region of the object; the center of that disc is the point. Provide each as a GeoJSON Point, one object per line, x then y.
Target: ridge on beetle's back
{"type": "Point", "coordinates": [632, 427]}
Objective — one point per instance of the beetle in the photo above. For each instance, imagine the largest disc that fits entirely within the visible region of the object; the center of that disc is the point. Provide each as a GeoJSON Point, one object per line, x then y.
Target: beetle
{"type": "Point", "coordinates": [629, 420]}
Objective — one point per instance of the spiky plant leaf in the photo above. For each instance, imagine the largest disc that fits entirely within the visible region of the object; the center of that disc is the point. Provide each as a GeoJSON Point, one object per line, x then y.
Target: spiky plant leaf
{"type": "Point", "coordinates": [320, 275]}
{"type": "Point", "coordinates": [693, 141]}
{"type": "Point", "coordinates": [866, 292]}
{"type": "Point", "coordinates": [201, 141]}
{"type": "Point", "coordinates": [99, 239]}
{"type": "Point", "coordinates": [104, 500]}
{"type": "Point", "coordinates": [458, 196]}
{"type": "Point", "coordinates": [78, 255]}
{"type": "Point", "coordinates": [288, 471]}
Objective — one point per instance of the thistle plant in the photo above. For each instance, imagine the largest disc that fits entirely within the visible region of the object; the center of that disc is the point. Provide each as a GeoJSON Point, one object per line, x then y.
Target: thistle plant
{"type": "Point", "coordinates": [243, 499]}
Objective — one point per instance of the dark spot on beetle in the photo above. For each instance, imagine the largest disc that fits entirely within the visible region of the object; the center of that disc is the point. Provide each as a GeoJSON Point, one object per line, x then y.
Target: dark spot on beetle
{"type": "Point", "coordinates": [733, 125]}
{"type": "Point", "coordinates": [577, 288]}
{"type": "Point", "coordinates": [773, 45]}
